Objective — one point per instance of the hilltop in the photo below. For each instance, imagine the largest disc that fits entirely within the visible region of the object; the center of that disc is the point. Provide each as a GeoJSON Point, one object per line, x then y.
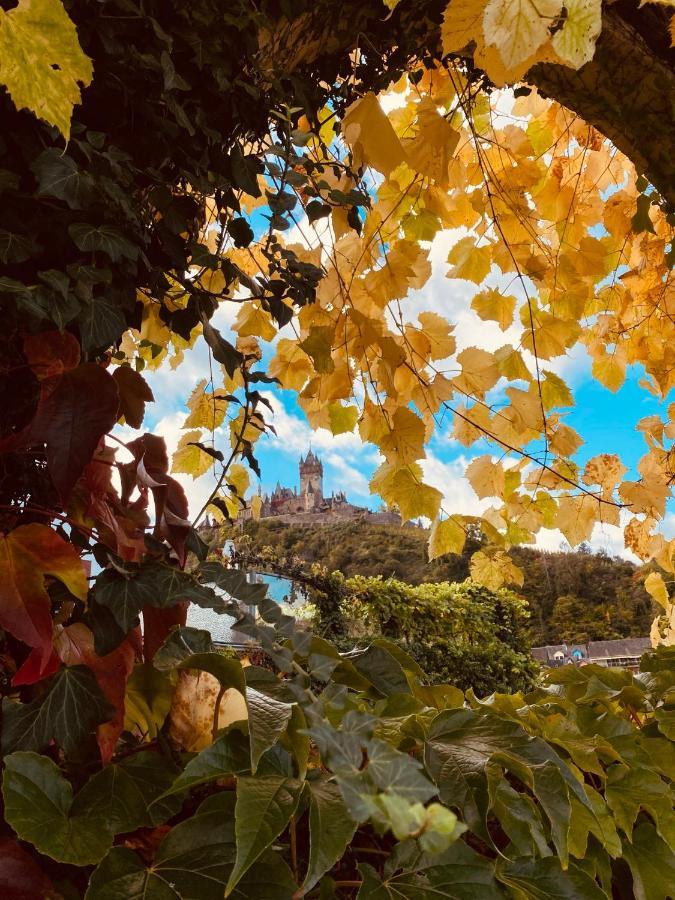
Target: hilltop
{"type": "Point", "coordinates": [575, 596]}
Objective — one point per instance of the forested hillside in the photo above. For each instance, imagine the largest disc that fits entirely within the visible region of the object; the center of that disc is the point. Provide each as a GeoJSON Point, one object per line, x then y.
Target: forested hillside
{"type": "Point", "coordinates": [576, 596]}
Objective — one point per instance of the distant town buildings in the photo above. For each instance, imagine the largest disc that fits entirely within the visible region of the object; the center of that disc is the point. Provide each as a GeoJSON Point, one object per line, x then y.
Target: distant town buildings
{"type": "Point", "coordinates": [624, 653]}
{"type": "Point", "coordinates": [310, 506]}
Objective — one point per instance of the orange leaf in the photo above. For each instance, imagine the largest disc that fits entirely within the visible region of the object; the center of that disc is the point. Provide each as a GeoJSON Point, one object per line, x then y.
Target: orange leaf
{"type": "Point", "coordinates": [27, 554]}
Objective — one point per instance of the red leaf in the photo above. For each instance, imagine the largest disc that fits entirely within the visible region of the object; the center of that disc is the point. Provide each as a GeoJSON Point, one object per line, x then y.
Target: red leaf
{"type": "Point", "coordinates": [171, 506]}
{"type": "Point", "coordinates": [134, 394]}
{"type": "Point", "coordinates": [21, 878]}
{"type": "Point", "coordinates": [27, 554]}
{"type": "Point", "coordinates": [75, 410]}
{"type": "Point", "coordinates": [33, 669]}
{"type": "Point", "coordinates": [51, 352]}
{"type": "Point", "coordinates": [157, 623]}
{"type": "Point", "coordinates": [75, 645]}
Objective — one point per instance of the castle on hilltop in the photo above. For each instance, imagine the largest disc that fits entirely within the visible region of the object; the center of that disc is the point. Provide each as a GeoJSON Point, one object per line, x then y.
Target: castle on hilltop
{"type": "Point", "coordinates": [309, 504]}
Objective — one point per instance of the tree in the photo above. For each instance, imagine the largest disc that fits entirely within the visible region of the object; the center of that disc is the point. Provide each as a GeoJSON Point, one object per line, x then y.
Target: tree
{"type": "Point", "coordinates": [139, 156]}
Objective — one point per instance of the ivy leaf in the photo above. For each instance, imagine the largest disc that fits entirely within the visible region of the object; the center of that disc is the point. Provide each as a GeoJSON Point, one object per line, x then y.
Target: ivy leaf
{"type": "Point", "coordinates": [228, 755]}
{"type": "Point", "coordinates": [101, 323]}
{"type": "Point", "coordinates": [181, 643]}
{"type": "Point", "coordinates": [59, 176]}
{"type": "Point", "coordinates": [27, 555]}
{"type": "Point", "coordinates": [331, 828]}
{"type": "Point", "coordinates": [229, 672]}
{"type": "Point", "coordinates": [41, 61]}
{"type": "Point", "coordinates": [263, 809]}
{"type": "Point", "coordinates": [38, 802]}
{"type": "Point", "coordinates": [102, 239]}
{"type": "Point", "coordinates": [129, 791]}
{"type": "Point", "coordinates": [73, 705]}
{"type": "Point", "coordinates": [155, 585]}
{"type": "Point", "coordinates": [233, 582]}
{"type": "Point", "coordinates": [134, 393]}
{"type": "Point", "coordinates": [545, 879]}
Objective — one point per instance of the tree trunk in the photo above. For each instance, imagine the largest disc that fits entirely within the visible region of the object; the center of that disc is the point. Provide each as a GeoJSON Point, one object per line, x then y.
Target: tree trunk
{"type": "Point", "coordinates": [627, 91]}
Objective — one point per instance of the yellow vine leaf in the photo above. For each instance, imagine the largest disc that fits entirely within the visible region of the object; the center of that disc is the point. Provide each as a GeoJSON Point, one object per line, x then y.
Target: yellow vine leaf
{"type": "Point", "coordinates": [492, 305]}
{"type": "Point", "coordinates": [342, 418]}
{"type": "Point", "coordinates": [656, 588]}
{"type": "Point", "coordinates": [493, 568]}
{"type": "Point", "coordinates": [554, 391]}
{"type": "Point", "coordinates": [41, 61]}
{"type": "Point", "coordinates": [576, 517]}
{"type": "Point", "coordinates": [462, 24]}
{"type": "Point", "coordinates": [366, 128]}
{"type": "Point", "coordinates": [470, 262]}
{"type": "Point", "coordinates": [605, 470]}
{"type": "Point", "coordinates": [610, 369]}
{"type": "Point", "coordinates": [237, 478]}
{"type": "Point", "coordinates": [447, 536]}
{"type": "Point", "coordinates": [575, 41]}
{"type": "Point", "coordinates": [486, 477]}
{"type": "Point", "coordinates": [190, 459]}
{"type": "Point", "coordinates": [404, 442]}
{"type": "Point", "coordinates": [403, 487]}
{"type": "Point", "coordinates": [205, 410]}
{"type": "Point", "coordinates": [439, 333]}
{"type": "Point", "coordinates": [252, 319]}
{"type": "Point", "coordinates": [518, 28]}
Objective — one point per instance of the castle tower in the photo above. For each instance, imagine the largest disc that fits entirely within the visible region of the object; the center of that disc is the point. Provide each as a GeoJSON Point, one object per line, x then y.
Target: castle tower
{"type": "Point", "coordinates": [311, 478]}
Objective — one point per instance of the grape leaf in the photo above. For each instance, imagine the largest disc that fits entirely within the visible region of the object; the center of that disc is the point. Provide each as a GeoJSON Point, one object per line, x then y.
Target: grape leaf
{"type": "Point", "coordinates": [38, 802]}
{"type": "Point", "coordinates": [41, 61]}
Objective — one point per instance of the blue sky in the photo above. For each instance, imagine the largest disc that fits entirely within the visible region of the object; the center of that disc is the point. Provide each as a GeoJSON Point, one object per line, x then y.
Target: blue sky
{"type": "Point", "coordinates": [605, 420]}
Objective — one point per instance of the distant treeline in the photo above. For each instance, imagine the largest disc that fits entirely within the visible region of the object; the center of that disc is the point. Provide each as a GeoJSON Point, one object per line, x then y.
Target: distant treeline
{"type": "Point", "coordinates": [573, 597]}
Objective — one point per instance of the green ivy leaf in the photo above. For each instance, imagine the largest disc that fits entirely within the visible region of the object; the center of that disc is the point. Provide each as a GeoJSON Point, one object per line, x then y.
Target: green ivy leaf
{"type": "Point", "coordinates": [101, 323]}
{"type": "Point", "coordinates": [155, 584]}
{"type": "Point", "coordinates": [545, 879]}
{"type": "Point", "coordinates": [59, 176]}
{"type": "Point", "coordinates": [102, 239]}
{"type": "Point", "coordinates": [181, 643]}
{"type": "Point", "coordinates": [38, 802]}
{"type": "Point", "coordinates": [459, 873]}
{"type": "Point", "coordinates": [228, 755]}
{"type": "Point", "coordinates": [41, 61]}
{"type": "Point", "coordinates": [128, 790]}
{"type": "Point", "coordinates": [264, 808]}
{"type": "Point", "coordinates": [331, 828]}
{"type": "Point", "coordinates": [70, 710]}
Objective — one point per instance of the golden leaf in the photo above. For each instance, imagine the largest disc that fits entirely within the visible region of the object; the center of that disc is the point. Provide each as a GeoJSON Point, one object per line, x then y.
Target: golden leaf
{"type": "Point", "coordinates": [369, 132]}
{"type": "Point", "coordinates": [518, 28]}
{"type": "Point", "coordinates": [486, 477]}
{"type": "Point", "coordinates": [447, 536]}
{"type": "Point", "coordinates": [493, 568]}
{"type": "Point", "coordinates": [470, 262]}
{"type": "Point", "coordinates": [191, 459]}
{"type": "Point", "coordinates": [403, 487]}
{"type": "Point", "coordinates": [491, 305]}
{"type": "Point", "coordinates": [656, 588]}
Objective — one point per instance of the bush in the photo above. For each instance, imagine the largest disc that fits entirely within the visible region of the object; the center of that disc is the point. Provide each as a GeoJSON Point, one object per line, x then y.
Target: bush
{"type": "Point", "coordinates": [464, 634]}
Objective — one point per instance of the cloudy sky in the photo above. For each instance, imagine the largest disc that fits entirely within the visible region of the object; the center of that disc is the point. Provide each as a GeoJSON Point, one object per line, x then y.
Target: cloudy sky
{"type": "Point", "coordinates": [605, 420]}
